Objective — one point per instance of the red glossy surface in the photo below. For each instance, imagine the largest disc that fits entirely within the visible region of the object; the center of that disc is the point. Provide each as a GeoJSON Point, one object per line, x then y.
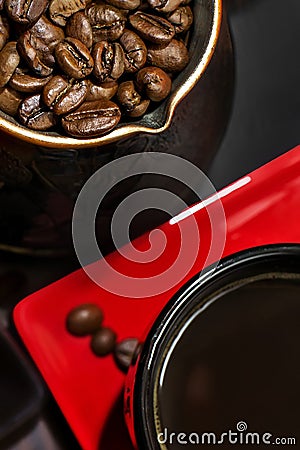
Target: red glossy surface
{"type": "Point", "coordinates": [263, 208]}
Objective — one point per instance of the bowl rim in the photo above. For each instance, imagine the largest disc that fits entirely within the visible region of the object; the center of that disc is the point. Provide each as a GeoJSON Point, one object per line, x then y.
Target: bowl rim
{"type": "Point", "coordinates": [63, 142]}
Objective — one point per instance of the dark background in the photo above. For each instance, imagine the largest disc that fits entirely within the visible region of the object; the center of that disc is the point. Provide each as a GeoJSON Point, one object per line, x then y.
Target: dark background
{"type": "Point", "coordinates": [265, 119]}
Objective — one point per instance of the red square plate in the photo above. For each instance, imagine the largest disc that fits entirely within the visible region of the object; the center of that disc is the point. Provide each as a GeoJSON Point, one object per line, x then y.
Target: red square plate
{"type": "Point", "coordinates": [262, 208]}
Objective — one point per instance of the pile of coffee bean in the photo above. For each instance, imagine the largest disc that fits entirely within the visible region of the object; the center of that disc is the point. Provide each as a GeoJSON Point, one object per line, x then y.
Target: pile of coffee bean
{"type": "Point", "coordinates": [62, 61]}
{"type": "Point", "coordinates": [85, 320]}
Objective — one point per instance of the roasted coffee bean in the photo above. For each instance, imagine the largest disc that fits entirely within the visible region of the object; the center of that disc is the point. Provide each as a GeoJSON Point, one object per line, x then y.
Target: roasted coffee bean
{"type": "Point", "coordinates": [127, 96]}
{"type": "Point", "coordinates": [61, 10]}
{"type": "Point", "coordinates": [63, 96]}
{"type": "Point", "coordinates": [9, 61]}
{"type": "Point", "coordinates": [154, 82]}
{"type": "Point", "coordinates": [125, 12]}
{"type": "Point", "coordinates": [124, 352]}
{"type": "Point", "coordinates": [25, 12]}
{"type": "Point", "coordinates": [35, 115]}
{"type": "Point", "coordinates": [10, 101]}
{"type": "Point", "coordinates": [36, 54]}
{"type": "Point", "coordinates": [103, 341]}
{"type": "Point", "coordinates": [79, 27]}
{"type": "Point", "coordinates": [135, 51]}
{"type": "Point", "coordinates": [74, 58]}
{"type": "Point", "coordinates": [139, 110]}
{"type": "Point", "coordinates": [92, 119]}
{"type": "Point", "coordinates": [108, 61]}
{"type": "Point", "coordinates": [125, 4]}
{"type": "Point", "coordinates": [23, 82]}
{"type": "Point", "coordinates": [50, 34]}
{"type": "Point", "coordinates": [152, 28]}
{"type": "Point", "coordinates": [4, 31]}
{"type": "Point", "coordinates": [107, 22]}
{"type": "Point", "coordinates": [181, 18]}
{"type": "Point", "coordinates": [84, 320]}
{"type": "Point", "coordinates": [101, 91]}
{"type": "Point", "coordinates": [165, 6]}
{"type": "Point", "coordinates": [172, 58]}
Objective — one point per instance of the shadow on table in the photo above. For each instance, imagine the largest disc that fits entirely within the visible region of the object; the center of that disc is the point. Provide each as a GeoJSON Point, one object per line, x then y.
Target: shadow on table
{"type": "Point", "coordinates": [115, 435]}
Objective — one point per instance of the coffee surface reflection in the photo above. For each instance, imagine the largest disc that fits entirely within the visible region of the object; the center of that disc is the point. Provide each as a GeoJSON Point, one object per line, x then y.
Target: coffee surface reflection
{"type": "Point", "coordinates": [237, 361]}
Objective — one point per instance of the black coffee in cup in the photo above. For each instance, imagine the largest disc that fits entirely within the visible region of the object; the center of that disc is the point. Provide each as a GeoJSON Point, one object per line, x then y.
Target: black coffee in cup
{"type": "Point", "coordinates": [230, 374]}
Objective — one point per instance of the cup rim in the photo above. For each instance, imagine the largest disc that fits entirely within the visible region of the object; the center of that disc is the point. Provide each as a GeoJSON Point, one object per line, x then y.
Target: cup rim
{"type": "Point", "coordinates": [62, 142]}
{"type": "Point", "coordinates": [233, 269]}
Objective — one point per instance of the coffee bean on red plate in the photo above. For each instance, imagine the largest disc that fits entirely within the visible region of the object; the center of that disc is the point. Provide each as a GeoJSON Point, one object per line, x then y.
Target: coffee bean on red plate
{"type": "Point", "coordinates": [61, 10]}
{"type": "Point", "coordinates": [25, 12]}
{"type": "Point", "coordinates": [49, 33]}
{"type": "Point", "coordinates": [103, 341]}
{"type": "Point", "coordinates": [79, 27]}
{"type": "Point", "coordinates": [154, 82]}
{"type": "Point", "coordinates": [92, 119]}
{"type": "Point", "coordinates": [4, 31]}
{"type": "Point", "coordinates": [165, 6]}
{"type": "Point", "coordinates": [74, 58]}
{"type": "Point", "coordinates": [35, 115]}
{"type": "Point", "coordinates": [124, 4]}
{"type": "Point", "coordinates": [10, 100]}
{"type": "Point", "coordinates": [107, 22]}
{"type": "Point", "coordinates": [152, 28]}
{"type": "Point", "coordinates": [124, 351]}
{"type": "Point", "coordinates": [108, 61]}
{"type": "Point", "coordinates": [36, 54]}
{"type": "Point", "coordinates": [101, 91]}
{"type": "Point", "coordinates": [21, 81]}
{"type": "Point", "coordinates": [181, 18]}
{"type": "Point", "coordinates": [84, 319]}
{"type": "Point", "coordinates": [63, 96]}
{"type": "Point", "coordinates": [9, 60]}
{"type": "Point", "coordinates": [172, 58]}
{"type": "Point", "coordinates": [135, 51]}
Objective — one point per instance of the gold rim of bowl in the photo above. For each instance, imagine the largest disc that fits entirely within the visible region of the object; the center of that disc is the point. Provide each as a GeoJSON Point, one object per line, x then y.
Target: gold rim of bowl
{"type": "Point", "coordinates": [124, 131]}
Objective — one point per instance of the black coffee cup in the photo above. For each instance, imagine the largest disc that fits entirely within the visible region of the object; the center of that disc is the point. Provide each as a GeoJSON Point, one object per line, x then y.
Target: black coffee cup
{"type": "Point", "coordinates": [221, 363]}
